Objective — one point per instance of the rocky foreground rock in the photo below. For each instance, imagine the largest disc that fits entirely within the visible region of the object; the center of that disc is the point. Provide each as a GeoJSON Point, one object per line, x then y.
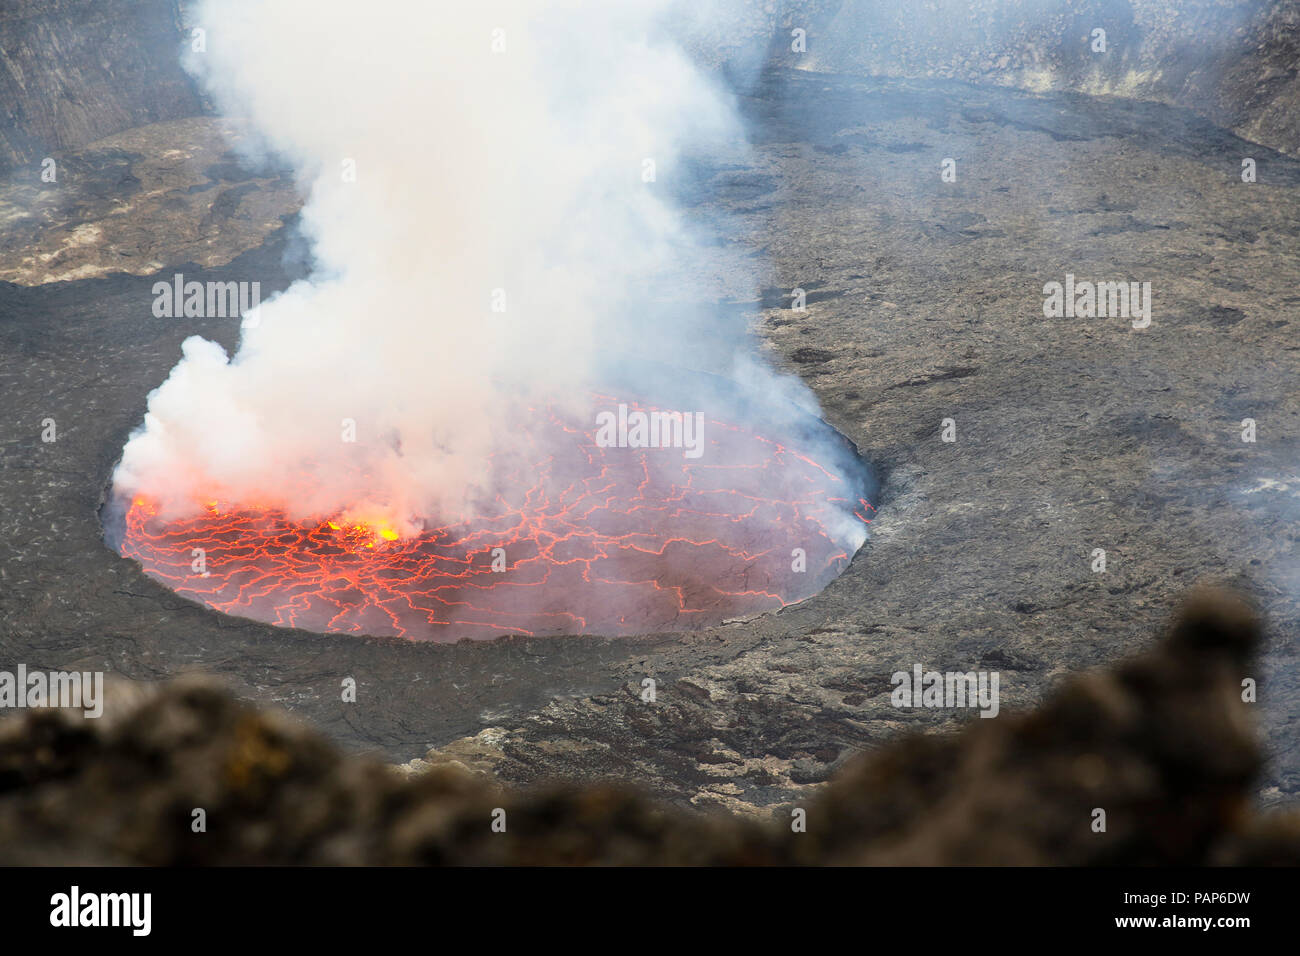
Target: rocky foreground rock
{"type": "Point", "coordinates": [1163, 743]}
{"type": "Point", "coordinates": [924, 303]}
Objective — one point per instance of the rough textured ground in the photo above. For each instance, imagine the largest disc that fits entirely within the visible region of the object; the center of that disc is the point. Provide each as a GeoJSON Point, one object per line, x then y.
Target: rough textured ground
{"type": "Point", "coordinates": [138, 201]}
{"type": "Point", "coordinates": [1162, 745]}
{"type": "Point", "coordinates": [73, 71]}
{"type": "Point", "coordinates": [1232, 61]}
{"type": "Point", "coordinates": [925, 302]}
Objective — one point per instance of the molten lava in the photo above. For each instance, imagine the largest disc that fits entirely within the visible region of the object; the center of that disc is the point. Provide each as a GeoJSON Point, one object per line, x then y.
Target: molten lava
{"type": "Point", "coordinates": [578, 538]}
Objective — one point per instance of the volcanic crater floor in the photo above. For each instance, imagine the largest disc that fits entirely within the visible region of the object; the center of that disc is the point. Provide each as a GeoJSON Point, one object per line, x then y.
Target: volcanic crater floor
{"type": "Point", "coordinates": [924, 303]}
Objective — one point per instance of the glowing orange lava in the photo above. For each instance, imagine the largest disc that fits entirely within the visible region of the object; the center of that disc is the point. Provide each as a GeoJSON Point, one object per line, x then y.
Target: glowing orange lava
{"type": "Point", "coordinates": [579, 539]}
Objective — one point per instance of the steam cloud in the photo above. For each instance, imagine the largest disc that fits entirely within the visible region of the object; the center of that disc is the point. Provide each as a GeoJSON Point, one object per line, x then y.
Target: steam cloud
{"type": "Point", "coordinates": [517, 169]}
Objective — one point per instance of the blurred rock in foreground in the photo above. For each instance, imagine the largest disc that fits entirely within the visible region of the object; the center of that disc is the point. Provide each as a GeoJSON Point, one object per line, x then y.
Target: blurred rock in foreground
{"type": "Point", "coordinates": [1163, 743]}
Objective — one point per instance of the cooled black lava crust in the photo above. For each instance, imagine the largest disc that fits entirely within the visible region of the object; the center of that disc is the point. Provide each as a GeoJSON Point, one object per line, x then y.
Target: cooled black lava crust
{"type": "Point", "coordinates": [924, 303]}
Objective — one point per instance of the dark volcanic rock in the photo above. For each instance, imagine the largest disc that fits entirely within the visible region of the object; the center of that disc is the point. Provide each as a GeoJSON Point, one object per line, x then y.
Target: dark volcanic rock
{"type": "Point", "coordinates": [73, 71]}
{"type": "Point", "coordinates": [1232, 61]}
{"type": "Point", "coordinates": [141, 200]}
{"type": "Point", "coordinates": [1163, 743]}
{"type": "Point", "coordinates": [1072, 435]}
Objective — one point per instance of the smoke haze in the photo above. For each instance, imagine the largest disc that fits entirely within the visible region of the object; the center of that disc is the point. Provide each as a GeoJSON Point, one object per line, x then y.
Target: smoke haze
{"type": "Point", "coordinates": [501, 157]}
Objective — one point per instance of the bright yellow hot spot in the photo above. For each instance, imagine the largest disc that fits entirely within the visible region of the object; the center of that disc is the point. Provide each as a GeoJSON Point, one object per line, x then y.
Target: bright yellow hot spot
{"type": "Point", "coordinates": [359, 530]}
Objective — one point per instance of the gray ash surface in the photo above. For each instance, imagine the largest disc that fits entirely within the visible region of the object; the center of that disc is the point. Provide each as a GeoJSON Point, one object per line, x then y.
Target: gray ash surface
{"type": "Point", "coordinates": [924, 303]}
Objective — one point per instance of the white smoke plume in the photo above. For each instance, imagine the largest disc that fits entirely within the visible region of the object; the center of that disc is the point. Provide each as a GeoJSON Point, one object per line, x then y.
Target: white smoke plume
{"type": "Point", "coordinates": [498, 151]}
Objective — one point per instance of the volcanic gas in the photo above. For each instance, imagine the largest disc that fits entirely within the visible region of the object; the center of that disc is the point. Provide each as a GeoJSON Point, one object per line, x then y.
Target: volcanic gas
{"type": "Point", "coordinates": [438, 433]}
{"type": "Point", "coordinates": [581, 536]}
